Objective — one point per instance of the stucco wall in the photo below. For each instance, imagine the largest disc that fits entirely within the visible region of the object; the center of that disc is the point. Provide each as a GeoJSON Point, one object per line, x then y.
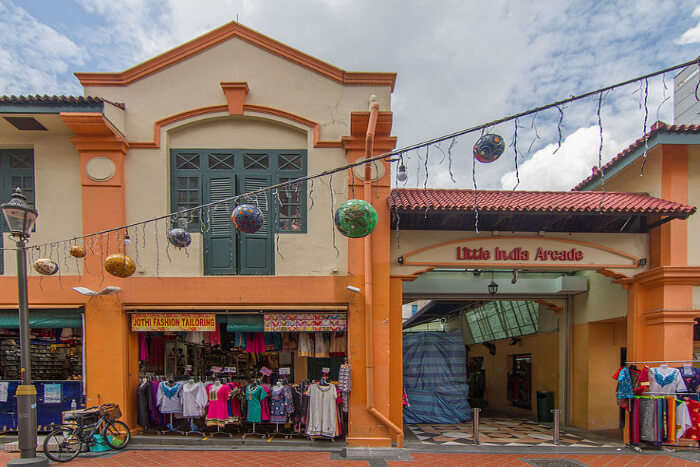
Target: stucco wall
{"type": "Point", "coordinates": [544, 349]}
{"type": "Point", "coordinates": [604, 300]}
{"type": "Point", "coordinates": [628, 179]}
{"type": "Point", "coordinates": [148, 196]}
{"type": "Point", "coordinates": [58, 196]}
{"type": "Point", "coordinates": [273, 82]}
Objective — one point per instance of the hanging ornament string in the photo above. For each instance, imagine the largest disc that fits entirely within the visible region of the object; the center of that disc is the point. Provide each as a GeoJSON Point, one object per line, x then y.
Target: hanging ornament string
{"type": "Point", "coordinates": [311, 195]}
{"type": "Point", "coordinates": [330, 188]}
{"type": "Point", "coordinates": [397, 216]}
{"type": "Point", "coordinates": [644, 127]}
{"type": "Point", "coordinates": [665, 98]}
{"type": "Point", "coordinates": [515, 153]}
{"type": "Point", "coordinates": [533, 126]}
{"type": "Point", "coordinates": [697, 86]}
{"type": "Point", "coordinates": [450, 136]}
{"type": "Point", "coordinates": [425, 165]}
{"type": "Point", "coordinates": [561, 119]}
{"type": "Point", "coordinates": [449, 159]}
{"type": "Point", "coordinates": [476, 195]}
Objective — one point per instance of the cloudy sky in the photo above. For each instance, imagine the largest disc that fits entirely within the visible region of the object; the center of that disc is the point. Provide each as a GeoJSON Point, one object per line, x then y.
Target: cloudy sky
{"type": "Point", "coordinates": [459, 63]}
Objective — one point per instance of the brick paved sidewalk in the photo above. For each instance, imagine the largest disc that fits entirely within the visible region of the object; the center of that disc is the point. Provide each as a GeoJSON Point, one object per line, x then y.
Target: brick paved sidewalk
{"type": "Point", "coordinates": [322, 459]}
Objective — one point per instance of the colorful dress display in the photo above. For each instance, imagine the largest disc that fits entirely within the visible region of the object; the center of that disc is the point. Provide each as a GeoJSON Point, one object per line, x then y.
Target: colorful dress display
{"type": "Point", "coordinates": [254, 394]}
{"type": "Point", "coordinates": [169, 398]}
{"type": "Point", "coordinates": [666, 380]}
{"type": "Point", "coordinates": [217, 412]}
{"type": "Point", "coordinates": [281, 404]}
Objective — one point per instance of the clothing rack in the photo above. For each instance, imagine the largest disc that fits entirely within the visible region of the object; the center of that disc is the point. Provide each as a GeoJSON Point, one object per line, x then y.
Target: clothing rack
{"type": "Point", "coordinates": [664, 361]}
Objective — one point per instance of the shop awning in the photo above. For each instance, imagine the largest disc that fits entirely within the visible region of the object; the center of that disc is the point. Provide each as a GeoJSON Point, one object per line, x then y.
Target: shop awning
{"type": "Point", "coordinates": [244, 323]}
{"type": "Point", "coordinates": [61, 318]}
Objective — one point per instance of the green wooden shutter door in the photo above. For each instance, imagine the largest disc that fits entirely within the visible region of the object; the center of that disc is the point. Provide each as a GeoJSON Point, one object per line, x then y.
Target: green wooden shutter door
{"type": "Point", "coordinates": [16, 170]}
{"type": "Point", "coordinates": [220, 253]}
{"type": "Point", "coordinates": [256, 250]}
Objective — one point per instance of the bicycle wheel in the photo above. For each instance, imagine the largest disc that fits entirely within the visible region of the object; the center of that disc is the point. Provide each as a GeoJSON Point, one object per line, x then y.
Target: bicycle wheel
{"type": "Point", "coordinates": [62, 445]}
{"type": "Point", "coordinates": [116, 434]}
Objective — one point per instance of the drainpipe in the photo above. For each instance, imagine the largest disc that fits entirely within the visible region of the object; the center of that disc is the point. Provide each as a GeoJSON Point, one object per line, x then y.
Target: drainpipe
{"type": "Point", "coordinates": [369, 289]}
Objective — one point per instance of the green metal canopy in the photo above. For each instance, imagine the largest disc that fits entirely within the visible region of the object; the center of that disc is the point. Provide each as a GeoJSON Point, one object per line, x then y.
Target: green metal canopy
{"type": "Point", "coordinates": [61, 318]}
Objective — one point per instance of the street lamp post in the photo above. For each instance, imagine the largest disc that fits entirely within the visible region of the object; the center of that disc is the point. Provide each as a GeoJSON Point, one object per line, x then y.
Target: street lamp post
{"type": "Point", "coordinates": [20, 218]}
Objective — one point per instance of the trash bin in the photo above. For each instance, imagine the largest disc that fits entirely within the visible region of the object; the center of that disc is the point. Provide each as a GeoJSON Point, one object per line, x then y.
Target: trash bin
{"type": "Point", "coordinates": [545, 404]}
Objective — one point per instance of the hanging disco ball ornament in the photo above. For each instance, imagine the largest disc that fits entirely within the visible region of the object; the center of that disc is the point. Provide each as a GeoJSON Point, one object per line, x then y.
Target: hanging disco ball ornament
{"type": "Point", "coordinates": [247, 218]}
{"type": "Point", "coordinates": [45, 266]}
{"type": "Point", "coordinates": [179, 237]}
{"type": "Point", "coordinates": [120, 265]}
{"type": "Point", "coordinates": [489, 147]}
{"type": "Point", "coordinates": [402, 174]}
{"type": "Point", "coordinates": [356, 218]}
{"type": "Point", "coordinates": [77, 251]}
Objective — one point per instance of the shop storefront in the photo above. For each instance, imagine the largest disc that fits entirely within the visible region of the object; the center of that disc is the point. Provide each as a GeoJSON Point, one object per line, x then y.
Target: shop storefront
{"type": "Point", "coordinates": [56, 357]}
{"type": "Point", "coordinates": [189, 361]}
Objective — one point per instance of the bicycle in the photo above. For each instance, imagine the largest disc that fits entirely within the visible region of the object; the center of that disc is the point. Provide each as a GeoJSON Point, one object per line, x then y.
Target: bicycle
{"type": "Point", "coordinates": [64, 443]}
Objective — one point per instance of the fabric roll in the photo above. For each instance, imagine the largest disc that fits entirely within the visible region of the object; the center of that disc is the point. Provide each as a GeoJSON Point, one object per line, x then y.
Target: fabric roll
{"type": "Point", "coordinates": [647, 416]}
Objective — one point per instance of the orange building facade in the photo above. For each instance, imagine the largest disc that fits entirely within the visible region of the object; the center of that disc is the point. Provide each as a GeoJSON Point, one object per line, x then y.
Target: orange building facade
{"type": "Point", "coordinates": [115, 160]}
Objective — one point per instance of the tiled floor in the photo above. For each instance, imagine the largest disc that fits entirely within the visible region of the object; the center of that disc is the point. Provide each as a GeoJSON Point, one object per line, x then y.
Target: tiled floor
{"type": "Point", "coordinates": [502, 432]}
{"type": "Point", "coordinates": [207, 458]}
{"type": "Point", "coordinates": [498, 460]}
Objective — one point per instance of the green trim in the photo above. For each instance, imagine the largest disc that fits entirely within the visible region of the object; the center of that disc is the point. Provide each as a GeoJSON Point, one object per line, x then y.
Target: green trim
{"type": "Point", "coordinates": [7, 174]}
{"type": "Point", "coordinates": [39, 319]}
{"type": "Point", "coordinates": [626, 160]}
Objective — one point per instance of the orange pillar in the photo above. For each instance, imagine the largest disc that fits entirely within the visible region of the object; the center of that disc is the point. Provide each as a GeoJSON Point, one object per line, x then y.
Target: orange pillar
{"type": "Point", "coordinates": [660, 301]}
{"type": "Point", "coordinates": [111, 351]}
{"type": "Point", "coordinates": [365, 428]}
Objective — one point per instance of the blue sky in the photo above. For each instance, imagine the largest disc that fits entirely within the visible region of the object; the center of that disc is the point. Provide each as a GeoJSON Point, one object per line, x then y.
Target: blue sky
{"type": "Point", "coordinates": [459, 63]}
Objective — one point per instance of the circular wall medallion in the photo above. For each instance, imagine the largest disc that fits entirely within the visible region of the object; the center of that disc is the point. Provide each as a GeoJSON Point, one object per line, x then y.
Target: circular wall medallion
{"type": "Point", "coordinates": [377, 170]}
{"type": "Point", "coordinates": [100, 169]}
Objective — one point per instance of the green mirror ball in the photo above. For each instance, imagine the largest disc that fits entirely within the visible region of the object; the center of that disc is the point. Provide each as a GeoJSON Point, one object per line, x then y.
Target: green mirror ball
{"type": "Point", "coordinates": [356, 218]}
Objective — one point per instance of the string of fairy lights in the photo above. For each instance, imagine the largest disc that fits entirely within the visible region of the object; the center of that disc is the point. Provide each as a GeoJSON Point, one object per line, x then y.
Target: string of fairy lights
{"type": "Point", "coordinates": [355, 218]}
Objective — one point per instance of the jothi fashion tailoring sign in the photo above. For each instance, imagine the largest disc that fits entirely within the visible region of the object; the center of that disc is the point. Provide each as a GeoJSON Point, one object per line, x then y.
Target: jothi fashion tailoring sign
{"type": "Point", "coordinates": [173, 322]}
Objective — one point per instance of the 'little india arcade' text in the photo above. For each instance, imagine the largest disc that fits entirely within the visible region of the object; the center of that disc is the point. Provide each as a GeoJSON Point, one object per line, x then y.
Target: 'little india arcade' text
{"type": "Point", "coordinates": [518, 254]}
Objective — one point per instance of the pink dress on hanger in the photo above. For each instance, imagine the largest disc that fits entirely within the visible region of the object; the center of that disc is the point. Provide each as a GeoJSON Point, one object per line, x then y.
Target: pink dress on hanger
{"type": "Point", "coordinates": [217, 412]}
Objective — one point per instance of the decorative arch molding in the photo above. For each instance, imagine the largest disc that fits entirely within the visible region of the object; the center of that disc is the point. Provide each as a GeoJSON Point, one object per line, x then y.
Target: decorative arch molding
{"type": "Point", "coordinates": [248, 109]}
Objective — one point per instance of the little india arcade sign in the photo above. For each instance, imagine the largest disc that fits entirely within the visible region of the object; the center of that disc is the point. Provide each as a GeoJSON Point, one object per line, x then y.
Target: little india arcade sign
{"type": "Point", "coordinates": [519, 251]}
{"type": "Point", "coordinates": [519, 254]}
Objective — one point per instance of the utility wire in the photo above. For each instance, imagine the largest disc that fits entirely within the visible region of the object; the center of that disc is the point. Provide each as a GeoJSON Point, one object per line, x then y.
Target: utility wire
{"type": "Point", "coordinates": [389, 154]}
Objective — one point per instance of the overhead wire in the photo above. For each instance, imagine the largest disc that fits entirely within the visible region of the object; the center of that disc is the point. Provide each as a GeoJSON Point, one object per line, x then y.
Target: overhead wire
{"type": "Point", "coordinates": [204, 208]}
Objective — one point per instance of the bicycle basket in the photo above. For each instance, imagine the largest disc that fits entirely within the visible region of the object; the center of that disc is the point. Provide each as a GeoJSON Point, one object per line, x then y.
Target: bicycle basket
{"type": "Point", "coordinates": [111, 410]}
{"type": "Point", "coordinates": [86, 418]}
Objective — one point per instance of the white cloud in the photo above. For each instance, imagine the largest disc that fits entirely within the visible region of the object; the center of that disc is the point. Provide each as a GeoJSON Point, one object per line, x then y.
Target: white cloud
{"type": "Point", "coordinates": [692, 35]}
{"type": "Point", "coordinates": [547, 170]}
{"type": "Point", "coordinates": [34, 57]}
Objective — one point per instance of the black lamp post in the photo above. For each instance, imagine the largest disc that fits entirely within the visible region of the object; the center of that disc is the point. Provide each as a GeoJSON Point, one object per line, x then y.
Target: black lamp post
{"type": "Point", "coordinates": [20, 218]}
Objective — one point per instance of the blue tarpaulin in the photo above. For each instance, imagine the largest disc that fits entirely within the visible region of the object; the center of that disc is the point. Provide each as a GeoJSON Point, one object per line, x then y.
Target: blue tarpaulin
{"type": "Point", "coordinates": [435, 378]}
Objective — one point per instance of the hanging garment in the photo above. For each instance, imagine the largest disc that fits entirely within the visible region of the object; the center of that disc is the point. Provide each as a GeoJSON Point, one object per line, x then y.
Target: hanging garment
{"type": "Point", "coordinates": [299, 409]}
{"type": "Point", "coordinates": [338, 344]}
{"type": "Point", "coordinates": [156, 417]}
{"type": "Point", "coordinates": [640, 379]}
{"type": "Point", "coordinates": [254, 396]}
{"type": "Point", "coordinates": [217, 412]}
{"type": "Point", "coordinates": [214, 337]}
{"type": "Point", "coordinates": [170, 398]}
{"type": "Point", "coordinates": [273, 341]}
{"type": "Point", "coordinates": [234, 403]}
{"type": "Point", "coordinates": [666, 380]}
{"type": "Point", "coordinates": [285, 358]}
{"type": "Point", "coordinates": [289, 341]}
{"type": "Point", "coordinates": [194, 399]}
{"type": "Point", "coordinates": [306, 345]}
{"type": "Point", "coordinates": [624, 384]}
{"type": "Point", "coordinates": [694, 412]}
{"type": "Point", "coordinates": [195, 337]}
{"type": "Point", "coordinates": [322, 345]}
{"type": "Point", "coordinates": [281, 404]}
{"type": "Point", "coordinates": [156, 352]}
{"type": "Point", "coordinates": [634, 426]}
{"type": "Point", "coordinates": [145, 404]}
{"type": "Point", "coordinates": [647, 420]}
{"type": "Point", "coordinates": [345, 384]}
{"type": "Point", "coordinates": [671, 418]}
{"type": "Point", "coordinates": [323, 415]}
{"type": "Point", "coordinates": [265, 404]}
{"type": "Point", "coordinates": [683, 421]}
{"type": "Point", "coordinates": [143, 347]}
{"type": "Point", "coordinates": [691, 378]}
{"type": "Point", "coordinates": [239, 340]}
{"type": "Point", "coordinates": [255, 342]}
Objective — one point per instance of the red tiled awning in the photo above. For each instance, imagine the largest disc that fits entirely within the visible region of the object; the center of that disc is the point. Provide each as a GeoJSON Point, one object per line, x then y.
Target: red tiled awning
{"type": "Point", "coordinates": [572, 202]}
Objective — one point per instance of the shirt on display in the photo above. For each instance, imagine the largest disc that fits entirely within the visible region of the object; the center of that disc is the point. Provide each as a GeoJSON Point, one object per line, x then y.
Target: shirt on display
{"type": "Point", "coordinates": [194, 399]}
{"type": "Point", "coordinates": [169, 398]}
{"type": "Point", "coordinates": [666, 380]}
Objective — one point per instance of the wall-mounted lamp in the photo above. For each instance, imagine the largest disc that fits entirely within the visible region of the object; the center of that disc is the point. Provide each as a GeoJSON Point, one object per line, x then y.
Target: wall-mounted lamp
{"type": "Point", "coordinates": [493, 287]}
{"type": "Point", "coordinates": [642, 262]}
{"type": "Point", "coordinates": [353, 289]}
{"type": "Point", "coordinates": [515, 276]}
{"type": "Point", "coordinates": [110, 289]}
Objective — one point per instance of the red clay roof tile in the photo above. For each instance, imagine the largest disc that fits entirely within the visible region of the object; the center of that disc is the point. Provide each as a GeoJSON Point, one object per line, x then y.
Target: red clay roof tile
{"type": "Point", "coordinates": [417, 199]}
